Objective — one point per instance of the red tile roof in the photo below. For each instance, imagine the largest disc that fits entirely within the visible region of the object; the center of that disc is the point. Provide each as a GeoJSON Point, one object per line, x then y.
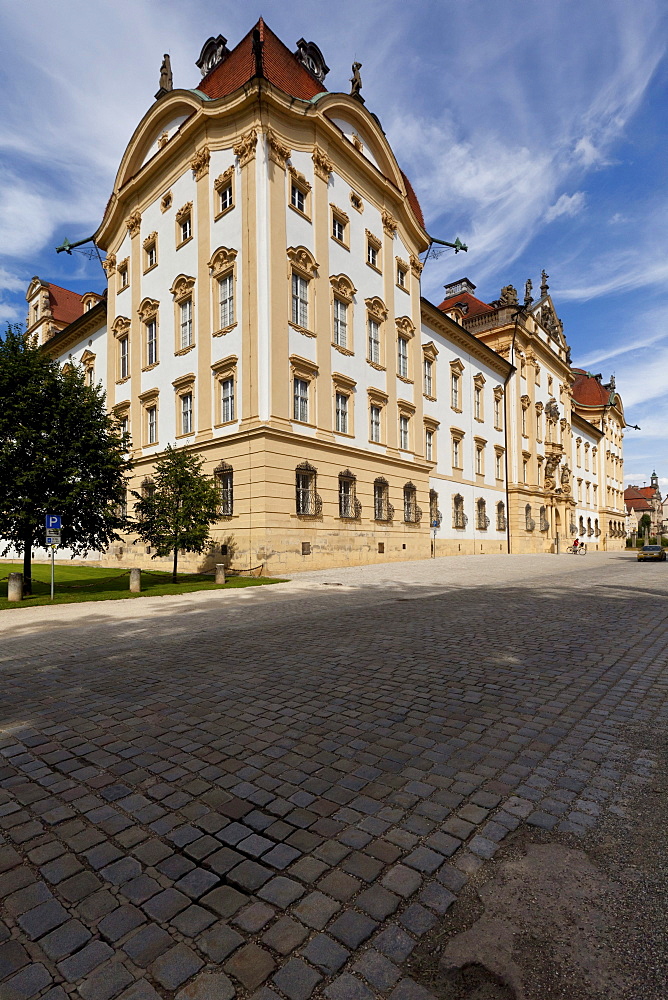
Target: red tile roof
{"type": "Point", "coordinates": [412, 200]}
{"type": "Point", "coordinates": [476, 307]}
{"type": "Point", "coordinates": [279, 66]}
{"type": "Point", "coordinates": [588, 391]}
{"type": "Point", "coordinates": [65, 305]}
{"type": "Point", "coordinates": [638, 497]}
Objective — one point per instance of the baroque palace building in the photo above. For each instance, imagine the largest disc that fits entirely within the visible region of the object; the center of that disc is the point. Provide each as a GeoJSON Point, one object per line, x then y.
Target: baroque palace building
{"type": "Point", "coordinates": [263, 308]}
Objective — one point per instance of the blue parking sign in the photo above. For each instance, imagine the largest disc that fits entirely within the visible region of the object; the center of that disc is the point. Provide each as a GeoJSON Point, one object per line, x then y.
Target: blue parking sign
{"type": "Point", "coordinates": [53, 522]}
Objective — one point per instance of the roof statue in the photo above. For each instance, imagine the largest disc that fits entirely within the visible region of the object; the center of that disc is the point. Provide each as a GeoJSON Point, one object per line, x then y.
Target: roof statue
{"type": "Point", "coordinates": [166, 81]}
{"type": "Point", "coordinates": [528, 298]}
{"type": "Point", "coordinates": [508, 296]}
{"type": "Point", "coordinates": [356, 82]}
{"type": "Point", "coordinates": [544, 287]}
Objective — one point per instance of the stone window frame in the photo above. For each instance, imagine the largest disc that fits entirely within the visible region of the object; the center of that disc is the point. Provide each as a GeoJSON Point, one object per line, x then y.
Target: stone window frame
{"type": "Point", "coordinates": [166, 202]}
{"type": "Point", "coordinates": [379, 399]}
{"type": "Point", "coordinates": [299, 182]}
{"type": "Point", "coordinates": [431, 426]}
{"type": "Point", "coordinates": [148, 312]}
{"type": "Point", "coordinates": [377, 311]}
{"type": "Point", "coordinates": [182, 290]}
{"type": "Point", "coordinates": [121, 331]}
{"type": "Point", "coordinates": [406, 409]}
{"type": "Point", "coordinates": [498, 394]}
{"type": "Point", "coordinates": [457, 436]}
{"type": "Point", "coordinates": [122, 275]}
{"type": "Point", "coordinates": [402, 267]}
{"type": "Point", "coordinates": [307, 371]}
{"type": "Point", "coordinates": [429, 353]}
{"type": "Point", "coordinates": [479, 381]}
{"type": "Point", "coordinates": [224, 472]}
{"type": "Point", "coordinates": [184, 386]}
{"type": "Point", "coordinates": [499, 456]}
{"type": "Point", "coordinates": [122, 412]}
{"type": "Point", "coordinates": [150, 244]}
{"type": "Point", "coordinates": [480, 445]}
{"type": "Point", "coordinates": [184, 214]}
{"type": "Point", "coordinates": [343, 289]}
{"type": "Point", "coordinates": [344, 220]}
{"type": "Point", "coordinates": [221, 371]}
{"type": "Point", "coordinates": [224, 181]}
{"type": "Point", "coordinates": [345, 386]}
{"type": "Point", "coordinates": [148, 400]}
{"type": "Point", "coordinates": [376, 245]}
{"type": "Point", "coordinates": [222, 265]}
{"type": "Point", "coordinates": [526, 403]}
{"type": "Point", "coordinates": [303, 264]}
{"type": "Point", "coordinates": [405, 331]}
{"type": "Point", "coordinates": [457, 369]}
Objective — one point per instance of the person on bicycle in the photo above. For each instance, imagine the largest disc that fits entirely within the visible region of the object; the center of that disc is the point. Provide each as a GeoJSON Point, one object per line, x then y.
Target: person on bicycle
{"type": "Point", "coordinates": [575, 546]}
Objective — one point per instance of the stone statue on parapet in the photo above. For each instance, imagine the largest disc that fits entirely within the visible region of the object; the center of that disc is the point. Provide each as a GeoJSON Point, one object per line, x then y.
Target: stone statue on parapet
{"type": "Point", "coordinates": [356, 81]}
{"type": "Point", "coordinates": [508, 296]}
{"type": "Point", "coordinates": [528, 297]}
{"type": "Point", "coordinates": [166, 81]}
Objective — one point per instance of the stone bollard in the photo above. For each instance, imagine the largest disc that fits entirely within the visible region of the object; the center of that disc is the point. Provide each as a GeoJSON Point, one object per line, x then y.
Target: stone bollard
{"type": "Point", "coordinates": [15, 587]}
{"type": "Point", "coordinates": [220, 572]}
{"type": "Point", "coordinates": [135, 581]}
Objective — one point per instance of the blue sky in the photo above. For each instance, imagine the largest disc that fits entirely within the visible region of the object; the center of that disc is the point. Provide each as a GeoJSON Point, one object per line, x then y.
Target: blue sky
{"type": "Point", "coordinates": [534, 131]}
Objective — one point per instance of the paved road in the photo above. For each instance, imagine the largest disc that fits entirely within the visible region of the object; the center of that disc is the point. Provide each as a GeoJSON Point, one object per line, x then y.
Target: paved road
{"type": "Point", "coordinates": [276, 792]}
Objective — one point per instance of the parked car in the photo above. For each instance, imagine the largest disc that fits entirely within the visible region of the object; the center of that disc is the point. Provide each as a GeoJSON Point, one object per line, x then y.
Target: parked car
{"type": "Point", "coordinates": [651, 552]}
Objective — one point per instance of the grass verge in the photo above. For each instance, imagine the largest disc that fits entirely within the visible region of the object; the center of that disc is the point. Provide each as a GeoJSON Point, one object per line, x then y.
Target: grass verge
{"type": "Point", "coordinates": [87, 583]}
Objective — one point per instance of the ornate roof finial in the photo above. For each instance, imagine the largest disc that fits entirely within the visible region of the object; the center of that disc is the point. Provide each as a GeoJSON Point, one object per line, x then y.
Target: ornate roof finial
{"type": "Point", "coordinates": [356, 82]}
{"type": "Point", "coordinates": [528, 298]}
{"type": "Point", "coordinates": [544, 285]}
{"type": "Point", "coordinates": [166, 82]}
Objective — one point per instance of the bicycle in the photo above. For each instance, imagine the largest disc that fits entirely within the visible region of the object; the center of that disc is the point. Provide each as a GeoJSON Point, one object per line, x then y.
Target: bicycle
{"type": "Point", "coordinates": [580, 550]}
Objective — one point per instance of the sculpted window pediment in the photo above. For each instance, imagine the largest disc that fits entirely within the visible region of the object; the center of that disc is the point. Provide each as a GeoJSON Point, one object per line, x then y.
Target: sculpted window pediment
{"type": "Point", "coordinates": [87, 357]}
{"type": "Point", "coordinates": [539, 407]}
{"type": "Point", "coordinates": [479, 380]}
{"type": "Point", "coordinates": [223, 179]}
{"type": "Point", "coordinates": [405, 327]}
{"type": "Point", "coordinates": [184, 211]}
{"type": "Point", "coordinates": [343, 381]}
{"type": "Point", "coordinates": [303, 367]}
{"type": "Point", "coordinates": [182, 286]}
{"type": "Point", "coordinates": [227, 366]}
{"type": "Point", "coordinates": [373, 240]}
{"type": "Point", "coordinates": [121, 326]}
{"type": "Point", "coordinates": [377, 396]}
{"type": "Point", "coordinates": [430, 351]}
{"type": "Point", "coordinates": [299, 179]}
{"type": "Point", "coordinates": [498, 391]}
{"type": "Point", "coordinates": [148, 309]}
{"type": "Point", "coordinates": [377, 308]}
{"type": "Point", "coordinates": [343, 286]}
{"type": "Point", "coordinates": [150, 239]}
{"type": "Point", "coordinates": [184, 382]}
{"type": "Point", "coordinates": [525, 401]}
{"type": "Point", "coordinates": [221, 260]}
{"type": "Point", "coordinates": [303, 260]}
{"type": "Point", "coordinates": [456, 367]}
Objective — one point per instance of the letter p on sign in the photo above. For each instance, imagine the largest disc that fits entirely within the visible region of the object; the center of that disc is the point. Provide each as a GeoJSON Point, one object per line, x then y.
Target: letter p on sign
{"type": "Point", "coordinates": [53, 522]}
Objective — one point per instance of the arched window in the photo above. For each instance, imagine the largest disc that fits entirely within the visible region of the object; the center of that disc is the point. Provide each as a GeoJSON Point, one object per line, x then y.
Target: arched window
{"type": "Point", "coordinates": [544, 523]}
{"type": "Point", "coordinates": [147, 487]}
{"type": "Point", "coordinates": [481, 519]}
{"type": "Point", "coordinates": [349, 506]}
{"type": "Point", "coordinates": [597, 530]}
{"type": "Point", "coordinates": [590, 530]}
{"type": "Point", "coordinates": [307, 500]}
{"type": "Point", "coordinates": [459, 518]}
{"type": "Point", "coordinates": [412, 513]}
{"type": "Point", "coordinates": [529, 523]}
{"type": "Point", "coordinates": [581, 528]}
{"type": "Point", "coordinates": [382, 508]}
{"type": "Point", "coordinates": [435, 516]}
{"type": "Point", "coordinates": [501, 516]}
{"type": "Point", "coordinates": [224, 476]}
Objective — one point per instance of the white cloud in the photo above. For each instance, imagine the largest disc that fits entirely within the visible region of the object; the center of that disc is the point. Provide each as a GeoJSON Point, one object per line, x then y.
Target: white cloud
{"type": "Point", "coordinates": [587, 153]}
{"type": "Point", "coordinates": [566, 204]}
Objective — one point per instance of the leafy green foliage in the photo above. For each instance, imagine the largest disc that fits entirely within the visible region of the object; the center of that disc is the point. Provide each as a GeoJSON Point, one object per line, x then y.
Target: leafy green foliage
{"type": "Point", "coordinates": [177, 506]}
{"type": "Point", "coordinates": [60, 453]}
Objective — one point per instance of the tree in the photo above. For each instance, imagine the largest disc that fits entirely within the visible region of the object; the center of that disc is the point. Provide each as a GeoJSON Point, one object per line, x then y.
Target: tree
{"type": "Point", "coordinates": [176, 507]}
{"type": "Point", "coordinates": [60, 453]}
{"type": "Point", "coordinates": [644, 525]}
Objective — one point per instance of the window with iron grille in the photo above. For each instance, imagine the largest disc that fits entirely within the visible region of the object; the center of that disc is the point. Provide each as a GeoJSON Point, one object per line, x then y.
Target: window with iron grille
{"type": "Point", "coordinates": [308, 502]}
{"type": "Point", "coordinates": [529, 523]}
{"type": "Point", "coordinates": [412, 513]}
{"type": "Point", "coordinates": [382, 508]}
{"type": "Point", "coordinates": [590, 530]}
{"type": "Point", "coordinates": [224, 476]}
{"type": "Point", "coordinates": [482, 521]}
{"type": "Point", "coordinates": [581, 527]}
{"type": "Point", "coordinates": [500, 516]}
{"type": "Point", "coordinates": [299, 301]}
{"type": "Point", "coordinates": [459, 518]}
{"type": "Point", "coordinates": [349, 506]}
{"type": "Point", "coordinates": [435, 516]}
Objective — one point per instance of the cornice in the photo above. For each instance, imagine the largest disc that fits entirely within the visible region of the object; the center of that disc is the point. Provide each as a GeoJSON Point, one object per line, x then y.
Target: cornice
{"type": "Point", "coordinates": [83, 326]}
{"type": "Point", "coordinates": [448, 328]}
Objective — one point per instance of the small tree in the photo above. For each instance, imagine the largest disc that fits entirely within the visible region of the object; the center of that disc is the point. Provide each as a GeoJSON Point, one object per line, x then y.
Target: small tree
{"type": "Point", "coordinates": [644, 525]}
{"type": "Point", "coordinates": [60, 453]}
{"type": "Point", "coordinates": [177, 506]}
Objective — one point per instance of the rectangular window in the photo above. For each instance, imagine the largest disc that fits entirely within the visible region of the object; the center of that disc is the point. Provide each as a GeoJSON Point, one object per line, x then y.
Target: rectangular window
{"type": "Point", "coordinates": [401, 277]}
{"type": "Point", "coordinates": [151, 256]}
{"type": "Point", "coordinates": [341, 413]}
{"type": "Point", "coordinates": [123, 358]}
{"type": "Point", "coordinates": [479, 466]}
{"type": "Point", "coordinates": [497, 414]}
{"type": "Point", "coordinates": [226, 488]}
{"type": "Point", "coordinates": [338, 229]}
{"type": "Point", "coordinates": [186, 229]}
{"type": "Point", "coordinates": [226, 300]}
{"type": "Point", "coordinates": [374, 430]}
{"type": "Point", "coordinates": [525, 471]}
{"type": "Point", "coordinates": [403, 433]}
{"type": "Point", "coordinates": [456, 454]}
{"type": "Point", "coordinates": [299, 301]}
{"type": "Point", "coordinates": [374, 342]}
{"type": "Point", "coordinates": [187, 413]}
{"type": "Point", "coordinates": [499, 466]}
{"type": "Point", "coordinates": [340, 322]}
{"type": "Point", "coordinates": [186, 323]}
{"type": "Point", "coordinates": [428, 371]}
{"type": "Point", "coordinates": [152, 424]}
{"type": "Point", "coordinates": [227, 400]}
{"type": "Point", "coordinates": [477, 403]}
{"type": "Point", "coordinates": [429, 446]}
{"type": "Point", "coordinates": [225, 195]}
{"type": "Point", "coordinates": [124, 275]}
{"type": "Point", "coordinates": [524, 422]}
{"type": "Point", "coordinates": [297, 198]}
{"type": "Point", "coordinates": [301, 400]}
{"type": "Point", "coordinates": [372, 255]}
{"type": "Point", "coordinates": [402, 357]}
{"type": "Point", "coordinates": [454, 391]}
{"type": "Point", "coordinates": [151, 343]}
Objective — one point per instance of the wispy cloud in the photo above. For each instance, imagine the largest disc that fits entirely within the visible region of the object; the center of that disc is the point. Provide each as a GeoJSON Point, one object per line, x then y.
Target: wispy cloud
{"type": "Point", "coordinates": [566, 204]}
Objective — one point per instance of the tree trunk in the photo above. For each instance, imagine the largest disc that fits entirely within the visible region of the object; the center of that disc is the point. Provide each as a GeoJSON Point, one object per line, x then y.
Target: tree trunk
{"type": "Point", "coordinates": [27, 567]}
{"type": "Point", "coordinates": [176, 559]}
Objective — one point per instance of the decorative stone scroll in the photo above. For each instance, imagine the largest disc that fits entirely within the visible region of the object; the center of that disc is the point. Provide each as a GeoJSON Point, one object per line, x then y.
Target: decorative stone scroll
{"type": "Point", "coordinates": [278, 151]}
{"type": "Point", "coordinates": [416, 265]}
{"type": "Point", "coordinates": [133, 222]}
{"type": "Point", "coordinates": [109, 264]}
{"type": "Point", "coordinates": [322, 164]}
{"type": "Point", "coordinates": [200, 163]}
{"type": "Point", "coordinates": [245, 148]}
{"type": "Point", "coordinates": [389, 223]}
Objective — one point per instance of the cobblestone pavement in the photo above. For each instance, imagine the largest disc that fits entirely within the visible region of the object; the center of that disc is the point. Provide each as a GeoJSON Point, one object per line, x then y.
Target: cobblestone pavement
{"type": "Point", "coordinates": [276, 793]}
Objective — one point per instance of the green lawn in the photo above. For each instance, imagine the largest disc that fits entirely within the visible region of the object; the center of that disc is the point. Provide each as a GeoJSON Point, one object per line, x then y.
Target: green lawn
{"type": "Point", "coordinates": [88, 583]}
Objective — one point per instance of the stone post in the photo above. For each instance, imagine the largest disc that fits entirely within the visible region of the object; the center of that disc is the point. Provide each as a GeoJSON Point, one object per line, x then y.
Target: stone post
{"type": "Point", "coordinates": [135, 581]}
{"type": "Point", "coordinates": [220, 572]}
{"type": "Point", "coordinates": [15, 587]}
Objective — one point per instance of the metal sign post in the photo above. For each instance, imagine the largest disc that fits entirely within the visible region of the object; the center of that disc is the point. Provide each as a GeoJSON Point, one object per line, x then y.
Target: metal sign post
{"type": "Point", "coordinates": [435, 526]}
{"type": "Point", "coordinates": [53, 526]}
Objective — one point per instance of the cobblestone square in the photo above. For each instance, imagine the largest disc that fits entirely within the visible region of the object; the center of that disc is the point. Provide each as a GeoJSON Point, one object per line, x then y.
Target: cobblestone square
{"type": "Point", "coordinates": [276, 792]}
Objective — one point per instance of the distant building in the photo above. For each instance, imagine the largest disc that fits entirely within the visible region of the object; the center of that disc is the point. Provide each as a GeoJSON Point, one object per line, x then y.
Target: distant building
{"type": "Point", "coordinates": [640, 500]}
